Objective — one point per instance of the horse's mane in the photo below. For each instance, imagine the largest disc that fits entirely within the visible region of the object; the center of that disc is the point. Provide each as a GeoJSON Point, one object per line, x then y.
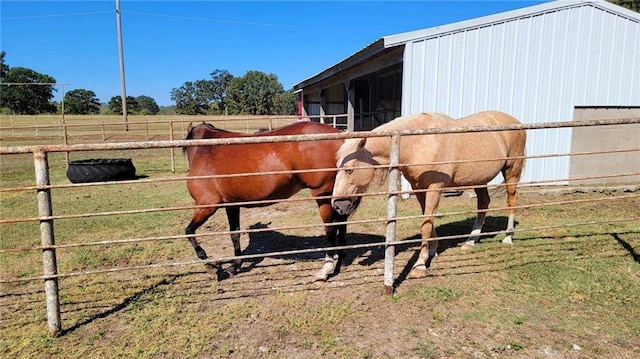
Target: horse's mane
{"type": "Point", "coordinates": [351, 146]}
{"type": "Point", "coordinates": [407, 122]}
{"type": "Point", "coordinates": [191, 134]}
{"type": "Point", "coordinates": [400, 123]}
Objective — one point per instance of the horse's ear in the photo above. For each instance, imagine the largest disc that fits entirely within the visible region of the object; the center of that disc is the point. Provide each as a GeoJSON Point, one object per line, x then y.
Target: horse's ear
{"type": "Point", "coordinates": [189, 127]}
{"type": "Point", "coordinates": [361, 143]}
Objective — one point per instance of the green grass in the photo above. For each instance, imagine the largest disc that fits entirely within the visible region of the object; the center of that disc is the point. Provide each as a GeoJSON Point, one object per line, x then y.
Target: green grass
{"type": "Point", "coordinates": [21, 130]}
{"type": "Point", "coordinates": [553, 290]}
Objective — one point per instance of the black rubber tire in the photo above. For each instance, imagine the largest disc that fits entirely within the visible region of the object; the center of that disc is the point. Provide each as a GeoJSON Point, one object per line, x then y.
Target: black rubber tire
{"type": "Point", "coordinates": [100, 170]}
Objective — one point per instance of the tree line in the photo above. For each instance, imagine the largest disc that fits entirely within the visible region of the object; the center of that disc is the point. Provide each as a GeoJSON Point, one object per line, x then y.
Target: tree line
{"type": "Point", "coordinates": [255, 93]}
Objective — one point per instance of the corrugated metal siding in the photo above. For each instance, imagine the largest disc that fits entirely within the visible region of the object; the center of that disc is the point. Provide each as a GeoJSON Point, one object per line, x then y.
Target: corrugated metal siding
{"type": "Point", "coordinates": [536, 67]}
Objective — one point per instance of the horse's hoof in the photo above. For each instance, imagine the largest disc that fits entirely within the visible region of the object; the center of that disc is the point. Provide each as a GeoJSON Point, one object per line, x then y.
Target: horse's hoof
{"type": "Point", "coordinates": [507, 240]}
{"type": "Point", "coordinates": [319, 279]}
{"type": "Point", "coordinates": [328, 269]}
{"type": "Point", "coordinates": [201, 253]}
{"type": "Point", "coordinates": [226, 273]}
{"type": "Point", "coordinates": [211, 268]}
{"type": "Point", "coordinates": [467, 246]}
{"type": "Point", "coordinates": [419, 271]}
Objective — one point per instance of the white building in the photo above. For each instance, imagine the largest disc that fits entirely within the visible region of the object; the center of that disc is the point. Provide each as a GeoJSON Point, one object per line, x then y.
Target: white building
{"type": "Point", "coordinates": [557, 61]}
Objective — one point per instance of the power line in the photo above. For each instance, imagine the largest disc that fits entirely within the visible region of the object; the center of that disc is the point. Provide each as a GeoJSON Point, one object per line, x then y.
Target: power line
{"type": "Point", "coordinates": [56, 15]}
{"type": "Point", "coordinates": [237, 22]}
{"type": "Point", "coordinates": [233, 22]}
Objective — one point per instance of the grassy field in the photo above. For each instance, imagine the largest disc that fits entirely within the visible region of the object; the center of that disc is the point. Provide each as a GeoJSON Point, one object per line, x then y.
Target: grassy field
{"type": "Point", "coordinates": [44, 129]}
{"type": "Point", "coordinates": [561, 291]}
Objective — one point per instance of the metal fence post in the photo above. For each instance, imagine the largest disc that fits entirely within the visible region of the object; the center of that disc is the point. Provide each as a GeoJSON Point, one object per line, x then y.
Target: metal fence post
{"type": "Point", "coordinates": [50, 267]}
{"type": "Point", "coordinates": [65, 136]}
{"type": "Point", "coordinates": [173, 156]}
{"type": "Point", "coordinates": [392, 210]}
{"type": "Point", "coordinates": [146, 126]}
{"type": "Point", "coordinates": [104, 134]}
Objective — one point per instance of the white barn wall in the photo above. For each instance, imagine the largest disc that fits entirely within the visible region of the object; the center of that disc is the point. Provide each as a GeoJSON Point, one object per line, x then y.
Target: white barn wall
{"type": "Point", "coordinates": [536, 66]}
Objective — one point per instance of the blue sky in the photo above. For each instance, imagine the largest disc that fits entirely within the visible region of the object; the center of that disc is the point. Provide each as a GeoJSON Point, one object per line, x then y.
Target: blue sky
{"type": "Point", "coordinates": [167, 43]}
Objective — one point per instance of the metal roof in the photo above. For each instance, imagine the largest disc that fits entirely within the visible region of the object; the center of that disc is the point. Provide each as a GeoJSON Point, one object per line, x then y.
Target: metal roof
{"type": "Point", "coordinates": [379, 46]}
{"type": "Point", "coordinates": [371, 50]}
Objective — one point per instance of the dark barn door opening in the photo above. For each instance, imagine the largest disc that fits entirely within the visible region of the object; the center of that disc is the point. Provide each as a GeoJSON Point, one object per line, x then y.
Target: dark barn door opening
{"type": "Point", "coordinates": [378, 98]}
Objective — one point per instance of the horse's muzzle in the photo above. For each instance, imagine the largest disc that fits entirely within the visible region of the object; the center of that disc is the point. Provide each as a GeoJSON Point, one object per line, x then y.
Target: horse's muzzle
{"type": "Point", "coordinates": [345, 206]}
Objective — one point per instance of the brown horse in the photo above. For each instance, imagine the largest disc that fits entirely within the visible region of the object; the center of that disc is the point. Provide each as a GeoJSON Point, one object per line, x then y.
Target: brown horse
{"type": "Point", "coordinates": [209, 193]}
{"type": "Point", "coordinates": [434, 162]}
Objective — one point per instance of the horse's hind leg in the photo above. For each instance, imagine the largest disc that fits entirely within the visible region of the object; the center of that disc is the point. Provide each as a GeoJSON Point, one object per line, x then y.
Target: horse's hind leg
{"type": "Point", "coordinates": [511, 176]}
{"type": "Point", "coordinates": [483, 204]}
{"type": "Point", "coordinates": [511, 204]}
{"type": "Point", "coordinates": [200, 215]}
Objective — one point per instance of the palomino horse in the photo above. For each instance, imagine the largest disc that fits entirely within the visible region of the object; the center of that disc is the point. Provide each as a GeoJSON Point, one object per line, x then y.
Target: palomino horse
{"type": "Point", "coordinates": [210, 193]}
{"type": "Point", "coordinates": [434, 162]}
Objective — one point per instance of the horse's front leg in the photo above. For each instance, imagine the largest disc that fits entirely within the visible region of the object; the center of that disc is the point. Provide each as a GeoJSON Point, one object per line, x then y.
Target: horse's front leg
{"type": "Point", "coordinates": [429, 246]}
{"type": "Point", "coordinates": [233, 217]}
{"type": "Point", "coordinates": [482, 195]}
{"type": "Point", "coordinates": [200, 215]}
{"type": "Point", "coordinates": [332, 259]}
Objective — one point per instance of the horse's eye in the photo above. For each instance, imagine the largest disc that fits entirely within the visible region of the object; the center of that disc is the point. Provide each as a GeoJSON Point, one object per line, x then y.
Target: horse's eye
{"type": "Point", "coordinates": [349, 171]}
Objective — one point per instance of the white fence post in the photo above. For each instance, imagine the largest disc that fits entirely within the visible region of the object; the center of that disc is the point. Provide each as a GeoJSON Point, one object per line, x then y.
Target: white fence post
{"type": "Point", "coordinates": [392, 211]}
{"type": "Point", "coordinates": [49, 264]}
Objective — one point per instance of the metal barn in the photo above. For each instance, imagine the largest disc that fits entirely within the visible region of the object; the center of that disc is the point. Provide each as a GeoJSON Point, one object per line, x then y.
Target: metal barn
{"type": "Point", "coordinates": [556, 61]}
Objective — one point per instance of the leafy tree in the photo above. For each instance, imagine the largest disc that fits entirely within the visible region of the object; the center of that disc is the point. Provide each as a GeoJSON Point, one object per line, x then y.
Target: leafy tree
{"type": "Point", "coordinates": [203, 96]}
{"type": "Point", "coordinates": [285, 103]}
{"type": "Point", "coordinates": [190, 98]}
{"type": "Point", "coordinates": [4, 68]}
{"type": "Point", "coordinates": [115, 105]}
{"type": "Point", "coordinates": [107, 111]}
{"type": "Point", "coordinates": [81, 102]}
{"type": "Point", "coordinates": [146, 105]}
{"type": "Point", "coordinates": [26, 99]}
{"type": "Point", "coordinates": [253, 94]}
{"type": "Point", "coordinates": [167, 110]}
{"type": "Point", "coordinates": [216, 89]}
{"type": "Point", "coordinates": [633, 5]}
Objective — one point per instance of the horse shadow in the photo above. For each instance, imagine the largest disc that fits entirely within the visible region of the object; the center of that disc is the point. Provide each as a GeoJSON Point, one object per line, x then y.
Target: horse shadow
{"type": "Point", "coordinates": [464, 227]}
{"type": "Point", "coordinates": [272, 243]}
{"type": "Point", "coordinates": [459, 229]}
{"type": "Point", "coordinates": [267, 241]}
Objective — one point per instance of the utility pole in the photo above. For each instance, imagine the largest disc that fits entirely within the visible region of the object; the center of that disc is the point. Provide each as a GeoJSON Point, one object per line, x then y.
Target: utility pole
{"type": "Point", "coordinates": [65, 133]}
{"type": "Point", "coordinates": [123, 85]}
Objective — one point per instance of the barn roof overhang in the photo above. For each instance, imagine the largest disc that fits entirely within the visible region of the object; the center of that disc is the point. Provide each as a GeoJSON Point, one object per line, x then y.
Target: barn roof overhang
{"type": "Point", "coordinates": [374, 49]}
{"type": "Point", "coordinates": [383, 44]}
